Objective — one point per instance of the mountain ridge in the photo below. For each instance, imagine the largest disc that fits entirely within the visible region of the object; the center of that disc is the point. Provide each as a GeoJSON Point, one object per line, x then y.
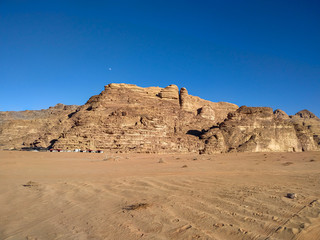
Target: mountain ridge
{"type": "Point", "coordinates": [128, 118]}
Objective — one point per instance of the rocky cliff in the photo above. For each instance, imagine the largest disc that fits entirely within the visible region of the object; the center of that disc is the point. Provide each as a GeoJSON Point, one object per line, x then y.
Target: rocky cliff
{"type": "Point", "coordinates": [258, 129]}
{"type": "Point", "coordinates": [128, 118]}
{"type": "Point", "coordinates": [38, 128]}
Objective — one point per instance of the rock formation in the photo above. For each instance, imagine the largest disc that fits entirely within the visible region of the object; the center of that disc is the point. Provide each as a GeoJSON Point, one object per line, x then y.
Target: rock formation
{"type": "Point", "coordinates": [308, 129]}
{"type": "Point", "coordinates": [38, 128]}
{"type": "Point", "coordinates": [128, 118]}
{"type": "Point", "coordinates": [252, 129]}
{"type": "Point", "coordinates": [207, 112]}
{"type": "Point", "coordinates": [280, 114]}
{"type": "Point", "coordinates": [170, 92]}
{"type": "Point", "coordinates": [197, 105]}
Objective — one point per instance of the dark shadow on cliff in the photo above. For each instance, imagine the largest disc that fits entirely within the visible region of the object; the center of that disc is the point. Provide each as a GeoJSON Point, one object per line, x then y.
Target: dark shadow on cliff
{"type": "Point", "coordinates": [71, 114]}
{"type": "Point", "coordinates": [194, 133]}
{"type": "Point", "coordinates": [51, 143]}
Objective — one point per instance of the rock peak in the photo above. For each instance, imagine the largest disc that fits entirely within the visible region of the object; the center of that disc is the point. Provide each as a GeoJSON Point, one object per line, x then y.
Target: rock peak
{"type": "Point", "coordinates": [278, 113]}
{"type": "Point", "coordinates": [306, 114]}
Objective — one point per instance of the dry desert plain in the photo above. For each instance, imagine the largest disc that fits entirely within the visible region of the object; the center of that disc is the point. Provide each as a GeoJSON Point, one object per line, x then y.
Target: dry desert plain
{"type": "Point", "coordinates": [148, 196]}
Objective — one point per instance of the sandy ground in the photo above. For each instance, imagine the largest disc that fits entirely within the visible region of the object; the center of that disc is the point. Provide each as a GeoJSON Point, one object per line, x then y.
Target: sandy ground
{"type": "Point", "coordinates": [144, 196]}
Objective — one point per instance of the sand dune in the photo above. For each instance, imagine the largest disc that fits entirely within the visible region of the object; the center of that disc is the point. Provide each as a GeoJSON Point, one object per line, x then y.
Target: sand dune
{"type": "Point", "coordinates": [137, 196]}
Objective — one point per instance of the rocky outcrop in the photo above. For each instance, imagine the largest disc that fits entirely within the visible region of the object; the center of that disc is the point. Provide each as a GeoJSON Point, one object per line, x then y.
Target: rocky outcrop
{"type": "Point", "coordinates": [185, 102]}
{"type": "Point", "coordinates": [207, 112]}
{"type": "Point", "coordinates": [257, 129]}
{"type": "Point", "coordinates": [216, 111]}
{"type": "Point", "coordinates": [170, 92]}
{"type": "Point", "coordinates": [306, 137]}
{"type": "Point", "coordinates": [214, 141]}
{"type": "Point", "coordinates": [306, 114]}
{"type": "Point", "coordinates": [307, 119]}
{"type": "Point", "coordinates": [280, 114]}
{"type": "Point", "coordinates": [307, 126]}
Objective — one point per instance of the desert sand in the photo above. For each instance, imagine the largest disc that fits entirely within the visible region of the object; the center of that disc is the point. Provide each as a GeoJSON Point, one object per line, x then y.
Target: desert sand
{"type": "Point", "coordinates": [147, 196]}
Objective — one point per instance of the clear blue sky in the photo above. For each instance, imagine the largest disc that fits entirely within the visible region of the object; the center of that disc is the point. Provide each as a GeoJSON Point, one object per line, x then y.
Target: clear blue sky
{"type": "Point", "coordinates": [254, 53]}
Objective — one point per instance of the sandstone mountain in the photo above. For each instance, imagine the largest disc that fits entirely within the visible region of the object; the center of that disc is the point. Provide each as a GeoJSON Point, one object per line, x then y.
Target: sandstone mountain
{"type": "Point", "coordinates": [128, 118]}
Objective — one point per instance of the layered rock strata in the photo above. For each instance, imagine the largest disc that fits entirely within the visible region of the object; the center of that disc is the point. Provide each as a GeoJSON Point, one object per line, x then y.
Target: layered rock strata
{"type": "Point", "coordinates": [128, 118]}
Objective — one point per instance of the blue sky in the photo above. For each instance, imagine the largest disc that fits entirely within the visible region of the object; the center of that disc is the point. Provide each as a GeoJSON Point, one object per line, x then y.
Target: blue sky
{"type": "Point", "coordinates": [254, 53]}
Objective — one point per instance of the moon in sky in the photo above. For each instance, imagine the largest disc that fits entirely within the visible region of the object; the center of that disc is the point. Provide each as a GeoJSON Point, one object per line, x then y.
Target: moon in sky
{"type": "Point", "coordinates": [109, 69]}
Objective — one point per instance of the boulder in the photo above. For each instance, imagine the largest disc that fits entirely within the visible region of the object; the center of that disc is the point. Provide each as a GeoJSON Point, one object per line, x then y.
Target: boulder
{"type": "Point", "coordinates": [207, 112]}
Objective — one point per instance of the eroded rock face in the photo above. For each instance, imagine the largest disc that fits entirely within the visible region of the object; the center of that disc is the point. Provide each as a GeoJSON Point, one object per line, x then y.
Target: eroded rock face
{"type": "Point", "coordinates": [307, 126]}
{"type": "Point", "coordinates": [128, 118]}
{"type": "Point", "coordinates": [26, 129]}
{"type": "Point", "coordinates": [207, 112]}
{"type": "Point", "coordinates": [216, 111]}
{"type": "Point", "coordinates": [258, 129]}
{"type": "Point", "coordinates": [214, 141]}
{"type": "Point", "coordinates": [306, 138]}
{"type": "Point", "coordinates": [185, 102]}
{"type": "Point", "coordinates": [122, 118]}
